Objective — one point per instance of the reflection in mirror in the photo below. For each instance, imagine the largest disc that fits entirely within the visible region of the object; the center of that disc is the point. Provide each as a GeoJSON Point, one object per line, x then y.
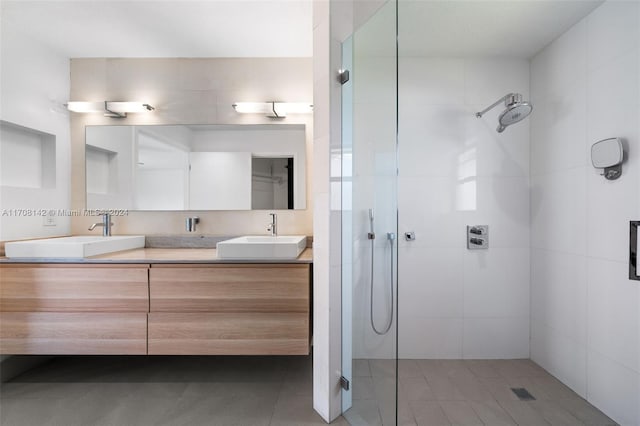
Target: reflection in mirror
{"type": "Point", "coordinates": [196, 167]}
{"type": "Point", "coordinates": [271, 183]}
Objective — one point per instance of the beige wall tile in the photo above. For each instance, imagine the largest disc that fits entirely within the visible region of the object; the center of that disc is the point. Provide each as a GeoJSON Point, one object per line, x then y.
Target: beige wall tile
{"type": "Point", "coordinates": [190, 91]}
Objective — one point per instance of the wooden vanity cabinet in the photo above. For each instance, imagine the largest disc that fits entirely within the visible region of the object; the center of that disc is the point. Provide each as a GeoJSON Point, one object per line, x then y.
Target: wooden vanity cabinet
{"type": "Point", "coordinates": [229, 309]}
{"type": "Point", "coordinates": [137, 309]}
{"type": "Point", "coordinates": [57, 309]}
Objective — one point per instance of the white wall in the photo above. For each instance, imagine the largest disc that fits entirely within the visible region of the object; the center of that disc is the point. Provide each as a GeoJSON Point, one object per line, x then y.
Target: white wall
{"type": "Point", "coordinates": [374, 183]}
{"type": "Point", "coordinates": [326, 306]}
{"type": "Point", "coordinates": [35, 83]}
{"type": "Point", "coordinates": [456, 170]}
{"type": "Point", "coordinates": [585, 311]}
{"type": "Point", "coordinates": [220, 180]}
{"type": "Point", "coordinates": [333, 22]}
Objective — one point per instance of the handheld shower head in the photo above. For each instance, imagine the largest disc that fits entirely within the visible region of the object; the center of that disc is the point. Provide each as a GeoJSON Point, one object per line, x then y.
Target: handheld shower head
{"type": "Point", "coordinates": [516, 110]}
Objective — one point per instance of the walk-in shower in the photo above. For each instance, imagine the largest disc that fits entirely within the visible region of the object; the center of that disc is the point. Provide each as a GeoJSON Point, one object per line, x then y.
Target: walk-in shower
{"type": "Point", "coordinates": [433, 331]}
{"type": "Point", "coordinates": [516, 110]}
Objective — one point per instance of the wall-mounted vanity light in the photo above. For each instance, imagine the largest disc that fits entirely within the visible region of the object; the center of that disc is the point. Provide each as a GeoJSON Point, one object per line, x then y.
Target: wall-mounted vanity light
{"type": "Point", "coordinates": [109, 108]}
{"type": "Point", "coordinates": [273, 109]}
{"type": "Point", "coordinates": [608, 154]}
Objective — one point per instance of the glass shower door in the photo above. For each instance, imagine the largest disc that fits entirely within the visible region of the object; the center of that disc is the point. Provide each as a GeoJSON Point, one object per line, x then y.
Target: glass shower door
{"type": "Point", "coordinates": [369, 222]}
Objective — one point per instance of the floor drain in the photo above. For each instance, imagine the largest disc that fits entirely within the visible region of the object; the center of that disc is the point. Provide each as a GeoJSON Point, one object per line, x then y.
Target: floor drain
{"type": "Point", "coordinates": [523, 394]}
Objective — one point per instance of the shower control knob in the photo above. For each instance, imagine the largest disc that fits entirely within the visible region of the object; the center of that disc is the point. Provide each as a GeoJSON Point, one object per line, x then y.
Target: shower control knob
{"type": "Point", "coordinates": [478, 237]}
{"type": "Point", "coordinates": [410, 236]}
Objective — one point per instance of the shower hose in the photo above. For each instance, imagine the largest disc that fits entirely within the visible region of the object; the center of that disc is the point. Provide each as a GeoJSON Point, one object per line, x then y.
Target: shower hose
{"type": "Point", "coordinates": [390, 237]}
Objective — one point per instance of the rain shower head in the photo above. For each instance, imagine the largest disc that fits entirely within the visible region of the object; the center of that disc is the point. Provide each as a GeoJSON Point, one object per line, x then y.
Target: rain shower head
{"type": "Point", "coordinates": [516, 110]}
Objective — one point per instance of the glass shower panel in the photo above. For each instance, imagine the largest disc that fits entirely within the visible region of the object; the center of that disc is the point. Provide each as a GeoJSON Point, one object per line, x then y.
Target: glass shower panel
{"type": "Point", "coordinates": [369, 222]}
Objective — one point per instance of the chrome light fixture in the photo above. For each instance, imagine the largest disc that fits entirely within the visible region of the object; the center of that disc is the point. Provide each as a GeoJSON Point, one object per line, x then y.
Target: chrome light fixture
{"type": "Point", "coordinates": [273, 109]}
{"type": "Point", "coordinates": [109, 108]}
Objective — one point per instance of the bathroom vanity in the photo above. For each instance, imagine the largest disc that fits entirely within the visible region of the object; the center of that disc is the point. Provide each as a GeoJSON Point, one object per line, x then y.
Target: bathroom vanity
{"type": "Point", "coordinates": [156, 302]}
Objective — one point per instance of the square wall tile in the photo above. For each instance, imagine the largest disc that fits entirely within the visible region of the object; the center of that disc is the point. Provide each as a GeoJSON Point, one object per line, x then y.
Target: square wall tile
{"type": "Point", "coordinates": [559, 292]}
{"type": "Point", "coordinates": [428, 207]}
{"type": "Point", "coordinates": [374, 78]}
{"type": "Point", "coordinates": [430, 281]}
{"type": "Point", "coordinates": [433, 81]}
{"type": "Point", "coordinates": [496, 283]}
{"type": "Point", "coordinates": [89, 78]}
{"type": "Point", "coordinates": [558, 211]}
{"type": "Point", "coordinates": [614, 312]}
{"type": "Point", "coordinates": [142, 74]}
{"type": "Point", "coordinates": [424, 337]}
{"type": "Point", "coordinates": [612, 30]}
{"type": "Point", "coordinates": [369, 345]}
{"type": "Point", "coordinates": [381, 287]}
{"type": "Point", "coordinates": [496, 338]}
{"type": "Point", "coordinates": [486, 80]}
{"type": "Point", "coordinates": [610, 207]}
{"type": "Point", "coordinates": [503, 204]}
{"type": "Point", "coordinates": [559, 131]}
{"type": "Point", "coordinates": [614, 389]}
{"type": "Point", "coordinates": [496, 154]}
{"type": "Point", "coordinates": [367, 136]}
{"type": "Point", "coordinates": [561, 356]}
{"type": "Point", "coordinates": [432, 139]}
{"type": "Point", "coordinates": [556, 69]}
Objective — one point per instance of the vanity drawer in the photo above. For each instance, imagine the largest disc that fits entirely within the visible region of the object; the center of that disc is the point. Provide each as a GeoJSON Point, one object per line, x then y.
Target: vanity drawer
{"type": "Point", "coordinates": [230, 288]}
{"type": "Point", "coordinates": [73, 288]}
{"type": "Point", "coordinates": [228, 334]}
{"type": "Point", "coordinates": [46, 333]}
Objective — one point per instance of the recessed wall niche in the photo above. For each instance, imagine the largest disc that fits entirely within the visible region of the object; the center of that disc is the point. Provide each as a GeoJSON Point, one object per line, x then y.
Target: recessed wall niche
{"type": "Point", "coordinates": [103, 166]}
{"type": "Point", "coordinates": [27, 157]}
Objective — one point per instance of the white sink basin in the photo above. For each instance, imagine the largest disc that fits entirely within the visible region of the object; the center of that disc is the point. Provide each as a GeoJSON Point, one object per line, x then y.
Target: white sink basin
{"type": "Point", "coordinates": [72, 247]}
{"type": "Point", "coordinates": [262, 247]}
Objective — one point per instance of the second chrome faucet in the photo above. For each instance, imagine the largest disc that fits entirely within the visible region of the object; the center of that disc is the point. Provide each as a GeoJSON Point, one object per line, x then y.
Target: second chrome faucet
{"type": "Point", "coordinates": [106, 225]}
{"type": "Point", "coordinates": [272, 227]}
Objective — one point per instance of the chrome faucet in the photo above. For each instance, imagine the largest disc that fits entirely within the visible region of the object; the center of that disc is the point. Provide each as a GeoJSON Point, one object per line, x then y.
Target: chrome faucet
{"type": "Point", "coordinates": [272, 227]}
{"type": "Point", "coordinates": [106, 225]}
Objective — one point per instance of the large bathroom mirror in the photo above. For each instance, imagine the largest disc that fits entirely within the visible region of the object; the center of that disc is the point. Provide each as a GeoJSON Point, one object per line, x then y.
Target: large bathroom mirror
{"type": "Point", "coordinates": [196, 167]}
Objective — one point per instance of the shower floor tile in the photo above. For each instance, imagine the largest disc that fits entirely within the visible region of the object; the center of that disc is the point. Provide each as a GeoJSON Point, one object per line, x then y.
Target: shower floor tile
{"type": "Point", "coordinates": [467, 392]}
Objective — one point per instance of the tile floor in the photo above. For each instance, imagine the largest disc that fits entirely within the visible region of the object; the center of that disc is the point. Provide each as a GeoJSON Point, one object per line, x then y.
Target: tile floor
{"type": "Point", "coordinates": [465, 393]}
{"type": "Point", "coordinates": [150, 391]}
{"type": "Point", "coordinates": [245, 391]}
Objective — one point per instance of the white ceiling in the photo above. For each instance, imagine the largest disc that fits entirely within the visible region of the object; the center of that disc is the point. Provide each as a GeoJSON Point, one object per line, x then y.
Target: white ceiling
{"type": "Point", "coordinates": [166, 28]}
{"type": "Point", "coordinates": [512, 28]}
{"type": "Point", "coordinates": [283, 28]}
